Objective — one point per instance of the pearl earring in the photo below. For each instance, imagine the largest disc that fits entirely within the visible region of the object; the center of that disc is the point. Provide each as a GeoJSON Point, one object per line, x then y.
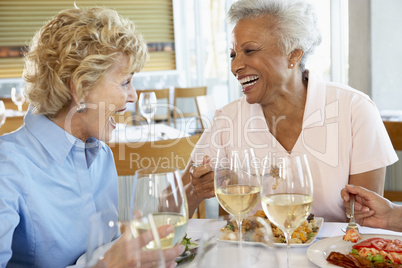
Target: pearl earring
{"type": "Point", "coordinates": [81, 107]}
{"type": "Point", "coordinates": [291, 65]}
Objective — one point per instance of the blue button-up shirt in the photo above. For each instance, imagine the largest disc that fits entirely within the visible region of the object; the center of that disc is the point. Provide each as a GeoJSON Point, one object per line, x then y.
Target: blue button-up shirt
{"type": "Point", "coordinates": [50, 185]}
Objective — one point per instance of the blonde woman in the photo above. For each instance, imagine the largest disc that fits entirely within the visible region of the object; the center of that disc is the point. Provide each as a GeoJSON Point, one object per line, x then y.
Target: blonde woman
{"type": "Point", "coordinates": [56, 171]}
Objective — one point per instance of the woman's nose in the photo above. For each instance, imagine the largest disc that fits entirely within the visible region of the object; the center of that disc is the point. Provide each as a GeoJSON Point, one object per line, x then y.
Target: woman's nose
{"type": "Point", "coordinates": [132, 95]}
{"type": "Point", "coordinates": [237, 65]}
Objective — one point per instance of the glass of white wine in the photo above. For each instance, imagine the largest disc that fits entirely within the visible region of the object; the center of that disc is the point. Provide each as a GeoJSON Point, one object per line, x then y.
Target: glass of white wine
{"type": "Point", "coordinates": [17, 96]}
{"type": "Point", "coordinates": [2, 113]}
{"type": "Point", "coordinates": [159, 191]}
{"type": "Point", "coordinates": [237, 183]}
{"type": "Point", "coordinates": [286, 191]}
{"type": "Point", "coordinates": [147, 103]}
{"type": "Point", "coordinates": [106, 228]}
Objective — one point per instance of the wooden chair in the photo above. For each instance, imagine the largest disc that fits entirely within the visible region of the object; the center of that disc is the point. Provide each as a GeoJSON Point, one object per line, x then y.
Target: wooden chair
{"type": "Point", "coordinates": [394, 129]}
{"type": "Point", "coordinates": [130, 157]}
{"type": "Point", "coordinates": [12, 123]}
{"type": "Point", "coordinates": [161, 94]}
{"type": "Point", "coordinates": [189, 93]}
{"type": "Point", "coordinates": [206, 109]}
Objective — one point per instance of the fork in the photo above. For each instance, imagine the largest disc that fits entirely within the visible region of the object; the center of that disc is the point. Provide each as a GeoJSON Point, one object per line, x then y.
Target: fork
{"type": "Point", "coordinates": [352, 223]}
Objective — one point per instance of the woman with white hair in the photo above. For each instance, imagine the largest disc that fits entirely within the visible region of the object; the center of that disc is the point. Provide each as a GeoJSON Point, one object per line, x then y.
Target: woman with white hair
{"type": "Point", "coordinates": [285, 108]}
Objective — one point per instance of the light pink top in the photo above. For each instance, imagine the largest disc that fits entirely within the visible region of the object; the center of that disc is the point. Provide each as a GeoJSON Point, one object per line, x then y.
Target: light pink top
{"type": "Point", "coordinates": [342, 135]}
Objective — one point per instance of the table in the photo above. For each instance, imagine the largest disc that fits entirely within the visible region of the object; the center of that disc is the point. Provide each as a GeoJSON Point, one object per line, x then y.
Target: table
{"type": "Point", "coordinates": [299, 254]}
{"type": "Point", "coordinates": [127, 133]}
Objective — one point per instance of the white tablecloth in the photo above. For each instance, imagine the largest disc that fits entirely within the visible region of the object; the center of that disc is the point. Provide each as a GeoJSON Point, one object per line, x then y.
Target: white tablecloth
{"type": "Point", "coordinates": [299, 254]}
{"type": "Point", "coordinates": [126, 133]}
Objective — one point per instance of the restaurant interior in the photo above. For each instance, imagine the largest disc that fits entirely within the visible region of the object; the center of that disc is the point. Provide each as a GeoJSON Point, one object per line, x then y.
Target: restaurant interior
{"type": "Point", "coordinates": [189, 72]}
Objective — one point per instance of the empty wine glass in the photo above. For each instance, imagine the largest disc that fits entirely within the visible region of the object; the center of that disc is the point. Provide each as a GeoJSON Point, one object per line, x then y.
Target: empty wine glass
{"type": "Point", "coordinates": [216, 252]}
{"type": "Point", "coordinates": [2, 113]}
{"type": "Point", "coordinates": [160, 192]}
{"type": "Point", "coordinates": [147, 103]}
{"type": "Point", "coordinates": [286, 191]}
{"type": "Point", "coordinates": [237, 185]}
{"type": "Point", "coordinates": [17, 96]}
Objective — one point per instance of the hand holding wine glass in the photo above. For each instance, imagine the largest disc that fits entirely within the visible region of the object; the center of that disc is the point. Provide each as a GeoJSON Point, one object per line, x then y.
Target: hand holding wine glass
{"type": "Point", "coordinates": [160, 192]}
{"type": "Point", "coordinates": [286, 192]}
{"type": "Point", "coordinates": [2, 113]}
{"type": "Point", "coordinates": [148, 103]}
{"type": "Point", "coordinates": [17, 96]}
{"type": "Point", "coordinates": [237, 184]}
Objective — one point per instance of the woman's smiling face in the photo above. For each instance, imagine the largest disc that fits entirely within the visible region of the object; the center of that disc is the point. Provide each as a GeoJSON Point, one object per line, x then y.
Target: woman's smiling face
{"type": "Point", "coordinates": [107, 97]}
{"type": "Point", "coordinates": [257, 62]}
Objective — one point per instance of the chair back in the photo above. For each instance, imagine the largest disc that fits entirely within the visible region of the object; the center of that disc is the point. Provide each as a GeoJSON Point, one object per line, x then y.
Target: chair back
{"type": "Point", "coordinates": [206, 109]}
{"type": "Point", "coordinates": [130, 157]}
{"type": "Point", "coordinates": [163, 111]}
{"type": "Point", "coordinates": [190, 93]}
{"type": "Point", "coordinates": [394, 129]}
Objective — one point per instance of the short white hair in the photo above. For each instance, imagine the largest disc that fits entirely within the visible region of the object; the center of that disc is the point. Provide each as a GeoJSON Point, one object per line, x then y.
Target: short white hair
{"type": "Point", "coordinates": [295, 22]}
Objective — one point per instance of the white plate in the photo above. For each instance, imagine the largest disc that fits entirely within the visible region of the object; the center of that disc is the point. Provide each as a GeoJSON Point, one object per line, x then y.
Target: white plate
{"type": "Point", "coordinates": [320, 222]}
{"type": "Point", "coordinates": [319, 251]}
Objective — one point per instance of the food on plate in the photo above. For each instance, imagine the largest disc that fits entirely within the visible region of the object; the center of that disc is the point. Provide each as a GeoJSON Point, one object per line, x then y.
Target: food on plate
{"type": "Point", "coordinates": [373, 252]}
{"type": "Point", "coordinates": [251, 230]}
{"type": "Point", "coordinates": [352, 235]}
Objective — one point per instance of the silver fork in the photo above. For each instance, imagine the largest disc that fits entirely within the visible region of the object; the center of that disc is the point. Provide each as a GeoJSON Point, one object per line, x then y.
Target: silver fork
{"type": "Point", "coordinates": [352, 224]}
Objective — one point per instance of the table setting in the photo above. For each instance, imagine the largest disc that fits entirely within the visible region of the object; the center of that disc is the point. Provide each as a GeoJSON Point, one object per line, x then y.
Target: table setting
{"type": "Point", "coordinates": [283, 186]}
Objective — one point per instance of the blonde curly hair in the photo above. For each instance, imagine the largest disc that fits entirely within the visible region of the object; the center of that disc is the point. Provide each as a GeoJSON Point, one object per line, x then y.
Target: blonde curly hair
{"type": "Point", "coordinates": [79, 46]}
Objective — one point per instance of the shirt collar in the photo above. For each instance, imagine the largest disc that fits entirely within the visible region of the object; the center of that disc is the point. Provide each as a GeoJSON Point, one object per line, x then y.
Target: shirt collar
{"type": "Point", "coordinates": [58, 142]}
{"type": "Point", "coordinates": [314, 111]}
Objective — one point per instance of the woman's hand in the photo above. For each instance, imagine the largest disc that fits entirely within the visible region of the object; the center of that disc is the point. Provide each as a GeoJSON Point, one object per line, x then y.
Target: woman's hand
{"type": "Point", "coordinates": [128, 252]}
{"type": "Point", "coordinates": [374, 210]}
{"type": "Point", "coordinates": [202, 179]}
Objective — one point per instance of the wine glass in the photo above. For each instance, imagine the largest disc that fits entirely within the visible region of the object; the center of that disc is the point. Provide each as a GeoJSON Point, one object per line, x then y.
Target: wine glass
{"type": "Point", "coordinates": [17, 96]}
{"type": "Point", "coordinates": [237, 185]}
{"type": "Point", "coordinates": [105, 229]}
{"type": "Point", "coordinates": [147, 103]}
{"type": "Point", "coordinates": [159, 191]}
{"type": "Point", "coordinates": [216, 252]}
{"type": "Point", "coordinates": [2, 113]}
{"type": "Point", "coordinates": [286, 191]}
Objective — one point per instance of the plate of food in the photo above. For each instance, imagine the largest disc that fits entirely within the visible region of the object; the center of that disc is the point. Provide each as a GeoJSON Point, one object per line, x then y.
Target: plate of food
{"type": "Point", "coordinates": [379, 248]}
{"type": "Point", "coordinates": [301, 237]}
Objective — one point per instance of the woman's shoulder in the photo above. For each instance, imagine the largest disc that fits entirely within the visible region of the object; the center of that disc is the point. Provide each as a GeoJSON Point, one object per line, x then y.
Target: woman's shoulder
{"type": "Point", "coordinates": [233, 107]}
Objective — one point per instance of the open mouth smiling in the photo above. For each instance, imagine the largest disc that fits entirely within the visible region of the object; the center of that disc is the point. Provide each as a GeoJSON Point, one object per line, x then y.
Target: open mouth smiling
{"type": "Point", "coordinates": [249, 81]}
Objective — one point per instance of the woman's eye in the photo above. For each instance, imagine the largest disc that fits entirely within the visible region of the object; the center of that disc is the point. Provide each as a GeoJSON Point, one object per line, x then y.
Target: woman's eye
{"type": "Point", "coordinates": [232, 55]}
{"type": "Point", "coordinates": [126, 83]}
{"type": "Point", "coordinates": [248, 51]}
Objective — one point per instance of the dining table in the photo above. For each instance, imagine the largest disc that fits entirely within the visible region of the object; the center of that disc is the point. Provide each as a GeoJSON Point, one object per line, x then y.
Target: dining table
{"type": "Point", "coordinates": [329, 231]}
{"type": "Point", "coordinates": [142, 133]}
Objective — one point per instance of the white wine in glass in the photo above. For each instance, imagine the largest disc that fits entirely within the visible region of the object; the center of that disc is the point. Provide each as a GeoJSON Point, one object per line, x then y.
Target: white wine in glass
{"type": "Point", "coordinates": [17, 96]}
{"type": "Point", "coordinates": [2, 113]}
{"type": "Point", "coordinates": [160, 192]}
{"type": "Point", "coordinates": [148, 104]}
{"type": "Point", "coordinates": [286, 192]}
{"type": "Point", "coordinates": [237, 186]}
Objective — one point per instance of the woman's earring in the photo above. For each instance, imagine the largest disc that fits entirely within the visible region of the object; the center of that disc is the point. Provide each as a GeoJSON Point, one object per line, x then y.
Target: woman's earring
{"type": "Point", "coordinates": [291, 65]}
{"type": "Point", "coordinates": [81, 107]}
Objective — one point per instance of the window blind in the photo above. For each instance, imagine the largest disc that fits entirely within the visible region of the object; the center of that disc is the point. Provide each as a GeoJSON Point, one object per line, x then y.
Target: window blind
{"type": "Point", "coordinates": [21, 19]}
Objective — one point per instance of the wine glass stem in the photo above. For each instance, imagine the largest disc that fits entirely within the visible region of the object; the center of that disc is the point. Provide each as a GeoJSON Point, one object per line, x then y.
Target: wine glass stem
{"type": "Point", "coordinates": [288, 236]}
{"type": "Point", "coordinates": [239, 224]}
{"type": "Point", "coordinates": [19, 107]}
